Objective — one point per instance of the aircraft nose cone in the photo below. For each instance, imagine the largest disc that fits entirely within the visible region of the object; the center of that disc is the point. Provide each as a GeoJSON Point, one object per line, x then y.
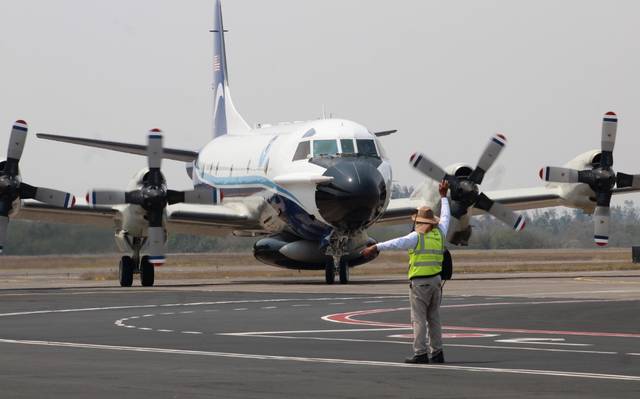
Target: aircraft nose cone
{"type": "Point", "coordinates": [355, 197]}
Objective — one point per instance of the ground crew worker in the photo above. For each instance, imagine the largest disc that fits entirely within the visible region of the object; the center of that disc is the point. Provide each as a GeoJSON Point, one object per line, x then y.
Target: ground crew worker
{"type": "Point", "coordinates": [426, 253]}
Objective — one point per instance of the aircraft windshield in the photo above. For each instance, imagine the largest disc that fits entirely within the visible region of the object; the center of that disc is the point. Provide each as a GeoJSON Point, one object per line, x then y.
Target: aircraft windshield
{"type": "Point", "coordinates": [367, 147]}
{"type": "Point", "coordinates": [325, 147]}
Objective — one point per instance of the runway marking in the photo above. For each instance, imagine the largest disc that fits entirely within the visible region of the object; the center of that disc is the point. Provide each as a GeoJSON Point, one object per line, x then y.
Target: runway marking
{"type": "Point", "coordinates": [540, 341]}
{"type": "Point", "coordinates": [350, 362]}
{"type": "Point", "coordinates": [144, 328]}
{"type": "Point", "coordinates": [349, 318]}
{"type": "Point", "coordinates": [163, 330]}
{"type": "Point", "coordinates": [372, 302]}
{"type": "Point", "coordinates": [337, 303]}
{"type": "Point", "coordinates": [240, 309]}
{"type": "Point", "coordinates": [300, 305]}
{"type": "Point", "coordinates": [187, 312]}
{"type": "Point", "coordinates": [269, 307]}
{"type": "Point", "coordinates": [191, 332]}
{"type": "Point", "coordinates": [275, 300]}
{"type": "Point", "coordinates": [476, 346]}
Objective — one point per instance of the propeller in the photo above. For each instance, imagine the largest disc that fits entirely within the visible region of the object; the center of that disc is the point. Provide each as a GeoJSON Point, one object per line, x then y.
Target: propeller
{"type": "Point", "coordinates": [12, 188]}
{"type": "Point", "coordinates": [464, 189]}
{"type": "Point", "coordinates": [154, 197]}
{"type": "Point", "coordinates": [601, 179]}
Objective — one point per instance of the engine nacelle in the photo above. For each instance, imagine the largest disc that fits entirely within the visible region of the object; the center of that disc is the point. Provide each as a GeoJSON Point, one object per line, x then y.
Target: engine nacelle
{"type": "Point", "coordinates": [291, 252]}
{"type": "Point", "coordinates": [459, 170]}
{"type": "Point", "coordinates": [579, 195]}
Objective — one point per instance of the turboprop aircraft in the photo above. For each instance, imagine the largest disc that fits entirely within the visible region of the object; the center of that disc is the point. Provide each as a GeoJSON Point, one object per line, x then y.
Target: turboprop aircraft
{"type": "Point", "coordinates": [308, 190]}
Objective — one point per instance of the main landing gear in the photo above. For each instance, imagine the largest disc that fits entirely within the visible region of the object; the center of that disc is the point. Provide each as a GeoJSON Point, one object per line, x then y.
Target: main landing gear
{"type": "Point", "coordinates": [337, 266]}
{"type": "Point", "coordinates": [130, 265]}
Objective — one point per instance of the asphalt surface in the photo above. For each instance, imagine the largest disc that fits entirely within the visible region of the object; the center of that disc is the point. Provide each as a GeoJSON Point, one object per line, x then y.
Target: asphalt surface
{"type": "Point", "coordinates": [186, 342]}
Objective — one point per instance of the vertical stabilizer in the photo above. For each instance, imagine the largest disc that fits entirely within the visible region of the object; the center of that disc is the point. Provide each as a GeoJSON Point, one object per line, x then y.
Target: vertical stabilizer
{"type": "Point", "coordinates": [225, 117]}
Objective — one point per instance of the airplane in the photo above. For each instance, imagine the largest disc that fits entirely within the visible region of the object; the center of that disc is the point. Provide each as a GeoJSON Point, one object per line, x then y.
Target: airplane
{"type": "Point", "coordinates": [308, 191]}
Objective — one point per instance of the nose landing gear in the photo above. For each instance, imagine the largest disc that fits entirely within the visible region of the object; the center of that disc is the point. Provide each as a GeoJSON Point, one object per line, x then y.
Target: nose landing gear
{"type": "Point", "coordinates": [130, 265]}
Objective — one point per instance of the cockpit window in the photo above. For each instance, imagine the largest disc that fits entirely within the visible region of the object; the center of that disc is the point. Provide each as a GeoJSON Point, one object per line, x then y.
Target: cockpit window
{"type": "Point", "coordinates": [367, 147]}
{"type": "Point", "coordinates": [303, 151]}
{"type": "Point", "coordinates": [347, 146]}
{"type": "Point", "coordinates": [325, 147]}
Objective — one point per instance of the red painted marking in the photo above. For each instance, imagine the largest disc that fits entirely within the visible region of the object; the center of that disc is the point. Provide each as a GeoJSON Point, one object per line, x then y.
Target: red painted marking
{"type": "Point", "coordinates": [156, 130]}
{"type": "Point", "coordinates": [540, 173]}
{"type": "Point", "coordinates": [601, 244]}
{"type": "Point", "coordinates": [413, 156]}
{"type": "Point", "coordinates": [21, 121]}
{"type": "Point", "coordinates": [349, 318]}
{"type": "Point", "coordinates": [611, 113]}
{"type": "Point", "coordinates": [501, 136]}
{"type": "Point", "coordinates": [87, 198]}
{"type": "Point", "coordinates": [73, 201]}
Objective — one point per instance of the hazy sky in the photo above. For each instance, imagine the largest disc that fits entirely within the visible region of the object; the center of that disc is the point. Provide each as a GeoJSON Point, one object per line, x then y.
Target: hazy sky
{"type": "Point", "coordinates": [447, 74]}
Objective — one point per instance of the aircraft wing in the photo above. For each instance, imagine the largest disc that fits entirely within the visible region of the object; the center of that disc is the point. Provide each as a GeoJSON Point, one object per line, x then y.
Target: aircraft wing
{"type": "Point", "coordinates": [181, 218]}
{"type": "Point", "coordinates": [168, 153]}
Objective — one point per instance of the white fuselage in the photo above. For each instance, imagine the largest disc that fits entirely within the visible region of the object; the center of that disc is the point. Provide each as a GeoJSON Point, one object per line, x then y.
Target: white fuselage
{"type": "Point", "coordinates": [270, 162]}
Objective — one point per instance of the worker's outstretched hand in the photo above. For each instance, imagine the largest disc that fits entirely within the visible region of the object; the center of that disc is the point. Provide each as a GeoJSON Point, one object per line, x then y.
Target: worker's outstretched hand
{"type": "Point", "coordinates": [443, 188]}
{"type": "Point", "coordinates": [369, 252]}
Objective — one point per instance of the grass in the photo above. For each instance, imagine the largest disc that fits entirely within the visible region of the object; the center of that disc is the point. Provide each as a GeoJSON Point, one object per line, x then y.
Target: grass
{"type": "Point", "coordinates": [235, 265]}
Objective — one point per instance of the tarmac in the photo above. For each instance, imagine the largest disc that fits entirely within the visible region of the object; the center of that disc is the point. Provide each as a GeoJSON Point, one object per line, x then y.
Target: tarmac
{"type": "Point", "coordinates": [528, 335]}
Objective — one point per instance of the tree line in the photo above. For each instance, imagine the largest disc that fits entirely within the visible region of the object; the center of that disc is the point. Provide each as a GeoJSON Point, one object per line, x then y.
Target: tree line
{"type": "Point", "coordinates": [546, 228]}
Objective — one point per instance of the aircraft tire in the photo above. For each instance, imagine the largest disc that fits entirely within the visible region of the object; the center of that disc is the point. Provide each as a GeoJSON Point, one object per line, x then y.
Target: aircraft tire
{"type": "Point", "coordinates": [125, 271]}
{"type": "Point", "coordinates": [146, 272]}
{"type": "Point", "coordinates": [329, 273]}
{"type": "Point", "coordinates": [344, 272]}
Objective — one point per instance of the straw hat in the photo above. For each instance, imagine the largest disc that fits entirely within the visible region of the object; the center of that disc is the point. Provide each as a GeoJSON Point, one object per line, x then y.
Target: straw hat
{"type": "Point", "coordinates": [425, 217]}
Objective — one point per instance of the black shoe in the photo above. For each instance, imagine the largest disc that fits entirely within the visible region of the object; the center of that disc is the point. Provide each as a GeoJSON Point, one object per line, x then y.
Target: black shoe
{"type": "Point", "coordinates": [418, 359]}
{"type": "Point", "coordinates": [437, 358]}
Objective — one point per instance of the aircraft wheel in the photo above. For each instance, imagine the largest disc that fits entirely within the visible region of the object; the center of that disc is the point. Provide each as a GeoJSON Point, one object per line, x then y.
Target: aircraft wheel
{"type": "Point", "coordinates": [125, 271]}
{"type": "Point", "coordinates": [344, 272]}
{"type": "Point", "coordinates": [146, 272]}
{"type": "Point", "coordinates": [329, 273]}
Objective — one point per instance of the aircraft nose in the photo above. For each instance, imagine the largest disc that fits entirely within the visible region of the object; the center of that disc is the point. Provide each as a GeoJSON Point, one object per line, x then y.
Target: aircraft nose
{"type": "Point", "coordinates": [355, 197]}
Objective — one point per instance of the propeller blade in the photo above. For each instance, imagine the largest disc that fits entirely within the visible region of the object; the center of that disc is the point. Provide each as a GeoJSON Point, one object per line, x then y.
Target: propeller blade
{"type": "Point", "coordinates": [625, 180]}
{"type": "Point", "coordinates": [156, 238]}
{"type": "Point", "coordinates": [49, 196]}
{"type": "Point", "coordinates": [17, 140]}
{"type": "Point", "coordinates": [500, 212]}
{"type": "Point", "coordinates": [427, 167]}
{"type": "Point", "coordinates": [4, 225]}
{"type": "Point", "coordinates": [601, 225]}
{"type": "Point", "coordinates": [154, 148]}
{"type": "Point", "coordinates": [200, 195]}
{"type": "Point", "coordinates": [106, 197]}
{"type": "Point", "coordinates": [488, 157]}
{"type": "Point", "coordinates": [609, 128]}
{"type": "Point", "coordinates": [558, 175]}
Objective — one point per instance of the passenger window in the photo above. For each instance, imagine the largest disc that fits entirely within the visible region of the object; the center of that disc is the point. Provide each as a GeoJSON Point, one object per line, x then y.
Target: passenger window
{"type": "Point", "coordinates": [367, 147]}
{"type": "Point", "coordinates": [325, 147]}
{"type": "Point", "coordinates": [303, 151]}
{"type": "Point", "coordinates": [347, 146]}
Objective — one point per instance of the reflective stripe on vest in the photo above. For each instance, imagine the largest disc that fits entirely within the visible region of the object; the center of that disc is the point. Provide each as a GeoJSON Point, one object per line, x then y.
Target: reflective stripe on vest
{"type": "Point", "coordinates": [426, 259]}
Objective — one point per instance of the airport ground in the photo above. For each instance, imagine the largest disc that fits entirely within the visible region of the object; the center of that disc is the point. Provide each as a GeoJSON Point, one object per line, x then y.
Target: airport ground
{"type": "Point", "coordinates": [542, 324]}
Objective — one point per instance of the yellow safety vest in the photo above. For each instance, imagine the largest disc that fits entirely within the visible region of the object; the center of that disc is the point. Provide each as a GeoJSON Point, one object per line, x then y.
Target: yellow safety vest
{"type": "Point", "coordinates": [426, 259]}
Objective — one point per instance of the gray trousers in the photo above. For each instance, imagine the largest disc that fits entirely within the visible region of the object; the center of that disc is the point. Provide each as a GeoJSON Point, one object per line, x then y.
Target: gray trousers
{"type": "Point", "coordinates": [425, 314]}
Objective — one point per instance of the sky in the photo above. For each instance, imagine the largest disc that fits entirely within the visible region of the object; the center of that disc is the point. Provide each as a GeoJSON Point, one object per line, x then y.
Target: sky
{"type": "Point", "coordinates": [447, 74]}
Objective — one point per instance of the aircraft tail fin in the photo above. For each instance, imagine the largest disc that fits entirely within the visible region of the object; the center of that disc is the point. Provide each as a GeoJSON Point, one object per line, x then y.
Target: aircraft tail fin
{"type": "Point", "coordinates": [226, 118]}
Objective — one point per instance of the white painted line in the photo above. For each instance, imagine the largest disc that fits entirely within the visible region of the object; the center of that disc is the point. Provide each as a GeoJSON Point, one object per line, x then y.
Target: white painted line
{"type": "Point", "coordinates": [134, 317]}
{"type": "Point", "coordinates": [371, 363]}
{"type": "Point", "coordinates": [191, 332]}
{"type": "Point", "coordinates": [540, 341]}
{"type": "Point", "coordinates": [144, 328]}
{"type": "Point", "coordinates": [147, 315]}
{"type": "Point", "coordinates": [269, 307]}
{"type": "Point", "coordinates": [300, 305]}
{"type": "Point", "coordinates": [163, 330]}
{"type": "Point", "coordinates": [634, 354]}
{"type": "Point", "coordinates": [187, 312]}
{"type": "Point", "coordinates": [167, 313]}
{"type": "Point", "coordinates": [212, 310]}
{"type": "Point", "coordinates": [336, 303]}
{"type": "Point", "coordinates": [382, 341]}
{"type": "Point", "coordinates": [372, 302]}
{"type": "Point", "coordinates": [313, 331]}
{"type": "Point", "coordinates": [129, 326]}
{"type": "Point", "coordinates": [241, 309]}
{"type": "Point", "coordinates": [48, 311]}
